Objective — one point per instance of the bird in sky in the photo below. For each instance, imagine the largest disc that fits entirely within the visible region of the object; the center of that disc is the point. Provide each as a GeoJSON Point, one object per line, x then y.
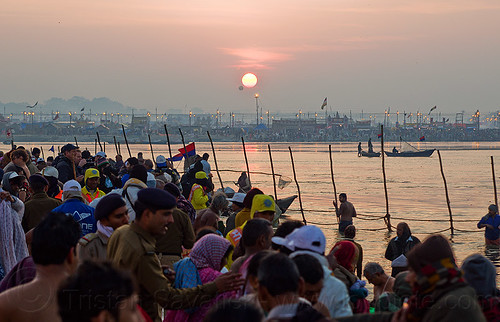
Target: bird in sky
{"type": "Point", "coordinates": [28, 106]}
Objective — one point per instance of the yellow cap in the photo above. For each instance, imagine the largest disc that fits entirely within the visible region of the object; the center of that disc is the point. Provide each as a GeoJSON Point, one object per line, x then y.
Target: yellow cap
{"type": "Point", "coordinates": [200, 175]}
{"type": "Point", "coordinates": [261, 203]}
{"type": "Point", "coordinates": [91, 173]}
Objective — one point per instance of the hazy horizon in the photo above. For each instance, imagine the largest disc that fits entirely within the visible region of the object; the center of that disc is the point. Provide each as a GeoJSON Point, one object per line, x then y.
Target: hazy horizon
{"type": "Point", "coordinates": [177, 55]}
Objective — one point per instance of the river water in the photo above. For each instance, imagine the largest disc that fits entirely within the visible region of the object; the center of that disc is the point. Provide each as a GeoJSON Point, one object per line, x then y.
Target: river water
{"type": "Point", "coordinates": [415, 187]}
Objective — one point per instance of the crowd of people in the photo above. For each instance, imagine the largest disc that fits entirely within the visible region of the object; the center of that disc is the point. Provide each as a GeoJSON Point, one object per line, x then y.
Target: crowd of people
{"type": "Point", "coordinates": [91, 238]}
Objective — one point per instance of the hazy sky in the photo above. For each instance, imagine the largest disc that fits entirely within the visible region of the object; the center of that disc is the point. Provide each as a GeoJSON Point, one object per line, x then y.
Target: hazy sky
{"type": "Point", "coordinates": [362, 55]}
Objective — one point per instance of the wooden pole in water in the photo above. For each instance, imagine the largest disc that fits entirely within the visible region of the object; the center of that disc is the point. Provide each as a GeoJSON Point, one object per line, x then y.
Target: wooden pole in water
{"type": "Point", "coordinates": [95, 146]}
{"type": "Point", "coordinates": [272, 170]}
{"type": "Point", "coordinates": [446, 192]}
{"type": "Point", "coordinates": [119, 148]}
{"type": "Point", "coordinates": [116, 145]}
{"type": "Point", "coordinates": [99, 141]}
{"type": "Point", "coordinates": [246, 160]}
{"type": "Point", "coordinates": [494, 180]}
{"type": "Point", "coordinates": [126, 141]}
{"type": "Point", "coordinates": [43, 154]}
{"type": "Point", "coordinates": [76, 142]}
{"type": "Point", "coordinates": [298, 188]}
{"type": "Point", "coordinates": [387, 217]}
{"type": "Point", "coordinates": [168, 142]}
{"type": "Point", "coordinates": [151, 148]}
{"type": "Point", "coordinates": [333, 183]}
{"type": "Point", "coordinates": [104, 145]}
{"type": "Point", "coordinates": [12, 146]}
{"type": "Point", "coordinates": [215, 160]}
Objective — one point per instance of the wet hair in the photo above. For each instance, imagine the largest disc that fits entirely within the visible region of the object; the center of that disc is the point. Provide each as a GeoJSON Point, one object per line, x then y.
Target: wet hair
{"type": "Point", "coordinates": [284, 230]}
{"type": "Point", "coordinates": [234, 310]}
{"type": "Point", "coordinates": [95, 287]}
{"type": "Point", "coordinates": [219, 201]}
{"type": "Point", "coordinates": [350, 232]}
{"type": "Point", "coordinates": [173, 189]}
{"type": "Point", "coordinates": [86, 154]}
{"type": "Point", "coordinates": [253, 265]}
{"type": "Point", "coordinates": [148, 163]}
{"type": "Point", "coordinates": [132, 161]}
{"type": "Point", "coordinates": [309, 268]}
{"type": "Point", "coordinates": [53, 238]}
{"type": "Point", "coordinates": [19, 153]}
{"type": "Point", "coordinates": [278, 274]}
{"type": "Point", "coordinates": [373, 268]}
{"type": "Point", "coordinates": [204, 231]}
{"type": "Point", "coordinates": [247, 202]}
{"type": "Point", "coordinates": [253, 230]}
{"type": "Point", "coordinates": [139, 172]}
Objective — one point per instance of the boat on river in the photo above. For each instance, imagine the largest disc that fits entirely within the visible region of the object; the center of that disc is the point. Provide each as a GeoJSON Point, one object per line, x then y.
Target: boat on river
{"type": "Point", "coordinates": [369, 154]}
{"type": "Point", "coordinates": [406, 150]}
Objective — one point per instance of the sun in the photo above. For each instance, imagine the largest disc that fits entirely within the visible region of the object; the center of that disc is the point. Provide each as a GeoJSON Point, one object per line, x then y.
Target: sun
{"type": "Point", "coordinates": [249, 80]}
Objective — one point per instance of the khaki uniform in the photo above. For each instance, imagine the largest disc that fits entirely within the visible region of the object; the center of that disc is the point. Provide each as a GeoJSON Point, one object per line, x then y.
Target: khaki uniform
{"type": "Point", "coordinates": [93, 247]}
{"type": "Point", "coordinates": [179, 234]}
{"type": "Point", "coordinates": [37, 208]}
{"type": "Point", "coordinates": [130, 247]}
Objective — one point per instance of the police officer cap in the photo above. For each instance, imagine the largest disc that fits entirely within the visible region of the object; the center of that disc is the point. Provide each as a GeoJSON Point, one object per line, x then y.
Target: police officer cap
{"type": "Point", "coordinates": [156, 198]}
{"type": "Point", "coordinates": [107, 205]}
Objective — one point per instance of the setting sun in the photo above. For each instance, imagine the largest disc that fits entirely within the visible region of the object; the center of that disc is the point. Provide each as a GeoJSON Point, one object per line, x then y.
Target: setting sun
{"type": "Point", "coordinates": [249, 80]}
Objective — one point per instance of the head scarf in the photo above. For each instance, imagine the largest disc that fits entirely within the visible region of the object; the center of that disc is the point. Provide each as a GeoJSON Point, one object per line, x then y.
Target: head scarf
{"type": "Point", "coordinates": [209, 251]}
{"type": "Point", "coordinates": [346, 254]}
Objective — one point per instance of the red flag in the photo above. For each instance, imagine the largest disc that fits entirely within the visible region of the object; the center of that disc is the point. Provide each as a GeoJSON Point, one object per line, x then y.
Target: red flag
{"type": "Point", "coordinates": [379, 135]}
{"type": "Point", "coordinates": [422, 138]}
{"type": "Point", "coordinates": [190, 150]}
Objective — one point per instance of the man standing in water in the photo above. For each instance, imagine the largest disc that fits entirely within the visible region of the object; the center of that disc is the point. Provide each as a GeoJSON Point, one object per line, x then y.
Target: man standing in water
{"type": "Point", "coordinates": [345, 212]}
{"type": "Point", "coordinates": [491, 221]}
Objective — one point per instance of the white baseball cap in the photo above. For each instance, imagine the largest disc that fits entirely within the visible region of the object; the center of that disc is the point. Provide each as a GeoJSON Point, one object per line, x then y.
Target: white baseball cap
{"type": "Point", "coordinates": [238, 197]}
{"type": "Point", "coordinates": [72, 189]}
{"type": "Point", "coordinates": [304, 238]}
{"type": "Point", "coordinates": [50, 172]}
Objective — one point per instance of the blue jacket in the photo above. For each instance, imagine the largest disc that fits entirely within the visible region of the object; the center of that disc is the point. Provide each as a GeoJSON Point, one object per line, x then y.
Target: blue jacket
{"type": "Point", "coordinates": [491, 234]}
{"type": "Point", "coordinates": [83, 215]}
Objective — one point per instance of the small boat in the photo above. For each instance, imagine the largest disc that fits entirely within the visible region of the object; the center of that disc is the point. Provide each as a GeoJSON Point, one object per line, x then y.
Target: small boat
{"type": "Point", "coordinates": [284, 203]}
{"type": "Point", "coordinates": [420, 153]}
{"type": "Point", "coordinates": [407, 150]}
{"type": "Point", "coordinates": [369, 154]}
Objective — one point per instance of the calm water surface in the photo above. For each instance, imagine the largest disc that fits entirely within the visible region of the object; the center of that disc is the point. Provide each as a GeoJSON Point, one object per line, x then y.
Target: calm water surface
{"type": "Point", "coordinates": [415, 187]}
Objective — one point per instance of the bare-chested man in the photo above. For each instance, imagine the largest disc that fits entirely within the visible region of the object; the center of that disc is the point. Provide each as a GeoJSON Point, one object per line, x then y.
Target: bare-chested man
{"type": "Point", "coordinates": [345, 212]}
{"type": "Point", "coordinates": [54, 253]}
{"type": "Point", "coordinates": [382, 282]}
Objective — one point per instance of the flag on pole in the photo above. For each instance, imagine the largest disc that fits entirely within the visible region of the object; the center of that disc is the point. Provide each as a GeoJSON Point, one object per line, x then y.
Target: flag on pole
{"type": "Point", "coordinates": [432, 109]}
{"type": "Point", "coordinates": [190, 150]}
{"type": "Point", "coordinates": [52, 149]}
{"type": "Point", "coordinates": [177, 157]}
{"type": "Point", "coordinates": [422, 138]}
{"type": "Point", "coordinates": [324, 103]}
{"type": "Point", "coordinates": [379, 135]}
{"type": "Point", "coordinates": [82, 109]}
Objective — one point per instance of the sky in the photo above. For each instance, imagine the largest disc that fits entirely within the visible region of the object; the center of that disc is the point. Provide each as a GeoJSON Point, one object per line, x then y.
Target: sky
{"type": "Point", "coordinates": [176, 54]}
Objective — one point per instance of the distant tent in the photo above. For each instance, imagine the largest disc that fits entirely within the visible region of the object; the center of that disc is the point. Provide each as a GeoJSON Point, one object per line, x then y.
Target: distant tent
{"type": "Point", "coordinates": [260, 127]}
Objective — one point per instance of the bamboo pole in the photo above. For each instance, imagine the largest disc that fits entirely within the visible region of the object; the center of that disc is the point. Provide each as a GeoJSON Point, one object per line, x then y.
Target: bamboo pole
{"type": "Point", "coordinates": [246, 160]}
{"type": "Point", "coordinates": [387, 217]}
{"type": "Point", "coordinates": [116, 145]}
{"type": "Point", "coordinates": [215, 160]}
{"type": "Point", "coordinates": [104, 145]}
{"type": "Point", "coordinates": [119, 149]}
{"type": "Point", "coordinates": [333, 183]}
{"type": "Point", "coordinates": [43, 154]}
{"type": "Point", "coordinates": [494, 181]}
{"type": "Point", "coordinates": [272, 170]}
{"type": "Point", "coordinates": [76, 142]}
{"type": "Point", "coordinates": [446, 192]}
{"type": "Point", "coordinates": [298, 188]}
{"type": "Point", "coordinates": [95, 146]}
{"type": "Point", "coordinates": [186, 161]}
{"type": "Point", "coordinates": [99, 141]}
{"type": "Point", "coordinates": [126, 141]}
{"type": "Point", "coordinates": [151, 148]}
{"type": "Point", "coordinates": [168, 142]}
